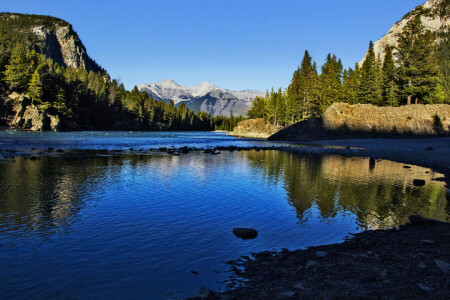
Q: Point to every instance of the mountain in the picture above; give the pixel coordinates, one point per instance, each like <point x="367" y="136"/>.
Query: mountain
<point x="435" y="16"/>
<point x="53" y="37"/>
<point x="204" y="96"/>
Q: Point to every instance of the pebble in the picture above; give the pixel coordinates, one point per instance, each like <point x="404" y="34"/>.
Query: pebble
<point x="425" y="288"/>
<point x="428" y="242"/>
<point x="288" y="293"/>
<point x="321" y="254"/>
<point x="421" y="265"/>
<point x="311" y="263"/>
<point x="299" y="286"/>
<point x="445" y="266"/>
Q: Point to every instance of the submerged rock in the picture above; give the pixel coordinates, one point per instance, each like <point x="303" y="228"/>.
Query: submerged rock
<point x="245" y="233"/>
<point x="418" y="182"/>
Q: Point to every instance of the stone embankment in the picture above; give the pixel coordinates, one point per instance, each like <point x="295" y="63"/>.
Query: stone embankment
<point x="342" y="120"/>
<point x="255" y="128"/>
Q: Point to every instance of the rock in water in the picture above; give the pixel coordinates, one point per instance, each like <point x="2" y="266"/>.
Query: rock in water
<point x="419" y="182"/>
<point x="245" y="233"/>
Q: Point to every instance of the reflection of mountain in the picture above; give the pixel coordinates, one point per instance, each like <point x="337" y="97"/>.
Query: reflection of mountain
<point x="378" y="193"/>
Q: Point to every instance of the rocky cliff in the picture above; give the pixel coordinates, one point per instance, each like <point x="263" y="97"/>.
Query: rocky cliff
<point x="255" y="128"/>
<point x="435" y="16"/>
<point x="47" y="35"/>
<point x="342" y="120"/>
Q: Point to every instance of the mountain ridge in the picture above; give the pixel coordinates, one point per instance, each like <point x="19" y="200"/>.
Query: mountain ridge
<point x="204" y="96"/>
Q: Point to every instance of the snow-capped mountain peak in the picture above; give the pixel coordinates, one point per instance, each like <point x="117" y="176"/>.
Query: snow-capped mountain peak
<point x="220" y="101"/>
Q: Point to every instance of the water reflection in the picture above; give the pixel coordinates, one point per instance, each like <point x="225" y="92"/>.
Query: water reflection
<point x="145" y="221"/>
<point x="48" y="194"/>
<point x="379" y="193"/>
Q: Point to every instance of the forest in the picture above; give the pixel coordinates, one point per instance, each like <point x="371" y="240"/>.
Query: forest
<point x="88" y="97"/>
<point x="416" y="71"/>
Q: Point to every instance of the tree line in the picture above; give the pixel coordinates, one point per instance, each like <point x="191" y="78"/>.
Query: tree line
<point x="416" y="71"/>
<point x="90" y="98"/>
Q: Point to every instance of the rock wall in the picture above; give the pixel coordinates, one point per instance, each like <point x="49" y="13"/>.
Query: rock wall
<point x="63" y="45"/>
<point x="342" y="120"/>
<point x="255" y="128"/>
<point x="28" y="116"/>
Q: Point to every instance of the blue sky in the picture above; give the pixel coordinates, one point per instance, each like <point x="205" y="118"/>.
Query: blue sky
<point x="233" y="44"/>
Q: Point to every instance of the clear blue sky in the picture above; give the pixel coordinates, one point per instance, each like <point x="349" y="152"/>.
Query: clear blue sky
<point x="233" y="44"/>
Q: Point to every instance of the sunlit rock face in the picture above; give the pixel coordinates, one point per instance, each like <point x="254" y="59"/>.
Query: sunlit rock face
<point x="434" y="15"/>
<point x="51" y="36"/>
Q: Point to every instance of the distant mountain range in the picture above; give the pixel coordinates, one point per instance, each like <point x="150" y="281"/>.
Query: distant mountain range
<point x="204" y="96"/>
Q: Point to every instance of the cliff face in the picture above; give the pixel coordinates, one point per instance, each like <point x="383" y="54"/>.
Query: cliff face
<point x="365" y="120"/>
<point x="50" y="36"/>
<point x="435" y="16"/>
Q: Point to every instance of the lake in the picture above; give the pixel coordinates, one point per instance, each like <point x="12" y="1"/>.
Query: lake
<point x="135" y="225"/>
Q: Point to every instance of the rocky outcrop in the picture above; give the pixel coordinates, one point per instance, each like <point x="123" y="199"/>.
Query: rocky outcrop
<point x="434" y="14"/>
<point x="29" y="116"/>
<point x="255" y="128"/>
<point x="342" y="120"/>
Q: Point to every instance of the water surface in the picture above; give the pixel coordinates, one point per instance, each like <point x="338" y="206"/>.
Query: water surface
<point x="134" y="226"/>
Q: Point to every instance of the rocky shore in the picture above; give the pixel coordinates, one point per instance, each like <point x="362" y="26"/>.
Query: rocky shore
<point x="409" y="262"/>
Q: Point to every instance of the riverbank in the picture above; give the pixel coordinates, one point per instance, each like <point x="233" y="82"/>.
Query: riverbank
<point x="410" y="262"/>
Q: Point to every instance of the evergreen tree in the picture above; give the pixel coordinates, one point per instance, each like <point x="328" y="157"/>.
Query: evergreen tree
<point x="35" y="91"/>
<point x="257" y="109"/>
<point x="390" y="88"/>
<point x="18" y="73"/>
<point x="369" y="87"/>
<point x="418" y="71"/>
<point x="330" y="83"/>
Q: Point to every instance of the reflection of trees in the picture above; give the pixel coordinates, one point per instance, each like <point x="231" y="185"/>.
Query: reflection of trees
<point x="47" y="194"/>
<point x="378" y="193"/>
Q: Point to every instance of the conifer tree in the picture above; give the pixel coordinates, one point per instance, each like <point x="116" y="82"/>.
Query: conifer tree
<point x="18" y="73"/>
<point x="330" y="82"/>
<point x="390" y="88"/>
<point x="35" y="91"/>
<point x="369" y="87"/>
<point x="418" y="71"/>
<point x="293" y="101"/>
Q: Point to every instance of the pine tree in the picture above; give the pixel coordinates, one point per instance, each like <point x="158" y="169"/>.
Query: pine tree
<point x="418" y="71"/>
<point x="258" y="108"/>
<point x="293" y="101"/>
<point x="305" y="92"/>
<point x="35" y="91"/>
<point x="369" y="87"/>
<point x="390" y="88"/>
<point x="330" y="82"/>
<point x="17" y="72"/>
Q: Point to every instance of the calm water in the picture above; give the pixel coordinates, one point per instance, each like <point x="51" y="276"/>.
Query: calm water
<point x="135" y="226"/>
